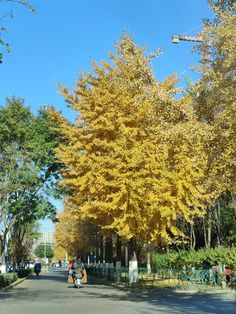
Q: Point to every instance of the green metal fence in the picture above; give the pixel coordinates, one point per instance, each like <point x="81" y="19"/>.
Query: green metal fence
<point x="167" y="277"/>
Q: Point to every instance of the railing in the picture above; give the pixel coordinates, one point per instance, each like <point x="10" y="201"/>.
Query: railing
<point x="163" y="277"/>
<point x="110" y="273"/>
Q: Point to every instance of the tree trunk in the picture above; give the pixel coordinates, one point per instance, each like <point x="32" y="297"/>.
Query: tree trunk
<point x="102" y="258"/>
<point x="118" y="259"/>
<point x="98" y="249"/>
<point x="149" y="269"/>
<point x="118" y="248"/>
<point x="4" y="253"/>
<point x="126" y="255"/>
<point x="204" y="230"/>
<point x="183" y="229"/>
<point x="108" y="250"/>
<point x="192" y="237"/>
<point x="209" y="232"/>
<point x="217" y="219"/>
<point x="132" y="250"/>
<point x="133" y="262"/>
<point x="207" y="228"/>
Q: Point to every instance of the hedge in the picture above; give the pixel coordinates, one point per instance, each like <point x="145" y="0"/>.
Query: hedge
<point x="177" y="260"/>
<point x="7" y="278"/>
<point x="23" y="273"/>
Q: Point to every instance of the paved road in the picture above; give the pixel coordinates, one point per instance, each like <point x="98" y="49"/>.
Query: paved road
<point x="50" y="294"/>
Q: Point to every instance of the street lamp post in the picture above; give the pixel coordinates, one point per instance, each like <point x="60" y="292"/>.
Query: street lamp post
<point x="177" y="38"/>
<point x="205" y="56"/>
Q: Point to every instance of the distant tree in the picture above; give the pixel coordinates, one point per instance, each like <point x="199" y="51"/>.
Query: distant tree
<point x="59" y="253"/>
<point x="72" y="233"/>
<point x="21" y="243"/>
<point x="44" y="250"/>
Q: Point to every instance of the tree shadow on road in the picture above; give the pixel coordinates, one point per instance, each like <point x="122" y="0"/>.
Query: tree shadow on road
<point x="169" y="300"/>
<point x="62" y="276"/>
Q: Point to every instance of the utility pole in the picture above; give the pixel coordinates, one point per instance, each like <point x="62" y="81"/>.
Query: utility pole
<point x="45" y="254"/>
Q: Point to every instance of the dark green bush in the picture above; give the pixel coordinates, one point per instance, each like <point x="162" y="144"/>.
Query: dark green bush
<point x="7" y="279"/>
<point x="23" y="273"/>
<point x="224" y="256"/>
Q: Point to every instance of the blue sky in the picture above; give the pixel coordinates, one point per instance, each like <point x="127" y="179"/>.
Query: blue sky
<point x="62" y="39"/>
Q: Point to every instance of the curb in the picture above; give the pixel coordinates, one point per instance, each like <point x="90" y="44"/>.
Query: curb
<point x="12" y="285"/>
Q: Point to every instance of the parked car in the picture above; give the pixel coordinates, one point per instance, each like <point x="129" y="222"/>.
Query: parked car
<point x="30" y="265"/>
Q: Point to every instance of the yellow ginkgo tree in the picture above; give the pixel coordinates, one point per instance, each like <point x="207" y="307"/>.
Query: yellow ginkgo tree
<point x="134" y="159"/>
<point x="74" y="235"/>
<point x="215" y="107"/>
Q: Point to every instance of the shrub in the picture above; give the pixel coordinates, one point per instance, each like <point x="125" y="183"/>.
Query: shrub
<point x="164" y="261"/>
<point x="223" y="255"/>
<point x="7" y="279"/>
<point x="23" y="273"/>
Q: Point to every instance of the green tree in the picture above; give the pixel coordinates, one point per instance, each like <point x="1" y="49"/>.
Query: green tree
<point x="44" y="250"/>
<point x="28" y="170"/>
<point x="21" y="243"/>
